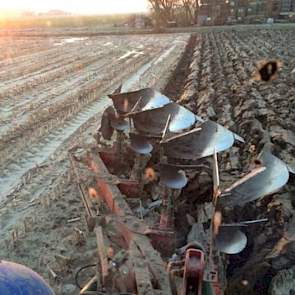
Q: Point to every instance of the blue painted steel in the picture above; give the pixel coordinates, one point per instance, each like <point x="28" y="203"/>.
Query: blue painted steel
<point x="16" y="279"/>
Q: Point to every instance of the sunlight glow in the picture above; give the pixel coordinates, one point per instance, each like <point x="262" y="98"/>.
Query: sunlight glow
<point x="75" y="6"/>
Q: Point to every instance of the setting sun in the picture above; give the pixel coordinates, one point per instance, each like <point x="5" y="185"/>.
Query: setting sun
<point x="75" y="6"/>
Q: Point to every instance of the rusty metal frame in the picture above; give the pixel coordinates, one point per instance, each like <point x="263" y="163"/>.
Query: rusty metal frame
<point x="148" y="264"/>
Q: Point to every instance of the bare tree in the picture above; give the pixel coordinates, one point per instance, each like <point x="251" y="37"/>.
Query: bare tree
<point x="187" y="5"/>
<point x="191" y="8"/>
<point x="157" y="11"/>
<point x="186" y="11"/>
<point x="163" y="10"/>
<point x="196" y="10"/>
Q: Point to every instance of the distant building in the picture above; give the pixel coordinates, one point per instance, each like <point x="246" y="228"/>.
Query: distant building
<point x="260" y="10"/>
<point x="205" y="13"/>
<point x="139" y="21"/>
<point x="287" y="6"/>
<point x="256" y="7"/>
<point x="218" y="12"/>
<point x="277" y="8"/>
<point x="213" y="12"/>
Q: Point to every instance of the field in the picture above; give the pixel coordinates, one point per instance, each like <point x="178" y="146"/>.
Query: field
<point x="53" y="91"/>
<point x="48" y="94"/>
<point x="70" y="25"/>
<point x="62" y="22"/>
<point x="220" y="85"/>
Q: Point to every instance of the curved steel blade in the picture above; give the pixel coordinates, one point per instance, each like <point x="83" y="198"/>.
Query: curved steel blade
<point x="291" y="168"/>
<point x="111" y="120"/>
<point x="245" y="223"/>
<point x="269" y="180"/>
<point x="140" y="144"/>
<point x="140" y="100"/>
<point x="230" y="240"/>
<point x="106" y="128"/>
<point x="118" y="89"/>
<point x="239" y="138"/>
<point x="154" y="121"/>
<point x="119" y="123"/>
<point x="172" y="176"/>
<point x="200" y="142"/>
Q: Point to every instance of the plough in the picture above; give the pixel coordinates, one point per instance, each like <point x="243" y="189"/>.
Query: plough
<point x="147" y="162"/>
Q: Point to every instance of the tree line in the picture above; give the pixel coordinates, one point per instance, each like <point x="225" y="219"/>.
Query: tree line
<point x="187" y="12"/>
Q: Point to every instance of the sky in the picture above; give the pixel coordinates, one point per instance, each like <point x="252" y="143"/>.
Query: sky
<point x="76" y="6"/>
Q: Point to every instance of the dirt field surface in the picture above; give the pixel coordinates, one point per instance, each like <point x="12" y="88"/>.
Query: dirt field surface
<point x="219" y="85"/>
<point x="52" y="93"/>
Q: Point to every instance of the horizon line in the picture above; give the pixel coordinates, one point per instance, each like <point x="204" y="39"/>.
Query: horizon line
<point x="19" y="13"/>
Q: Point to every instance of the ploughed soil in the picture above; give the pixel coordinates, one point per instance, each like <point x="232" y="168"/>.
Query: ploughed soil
<point x="222" y="85"/>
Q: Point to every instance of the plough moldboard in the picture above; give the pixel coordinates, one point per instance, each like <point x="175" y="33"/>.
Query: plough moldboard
<point x="131" y="183"/>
